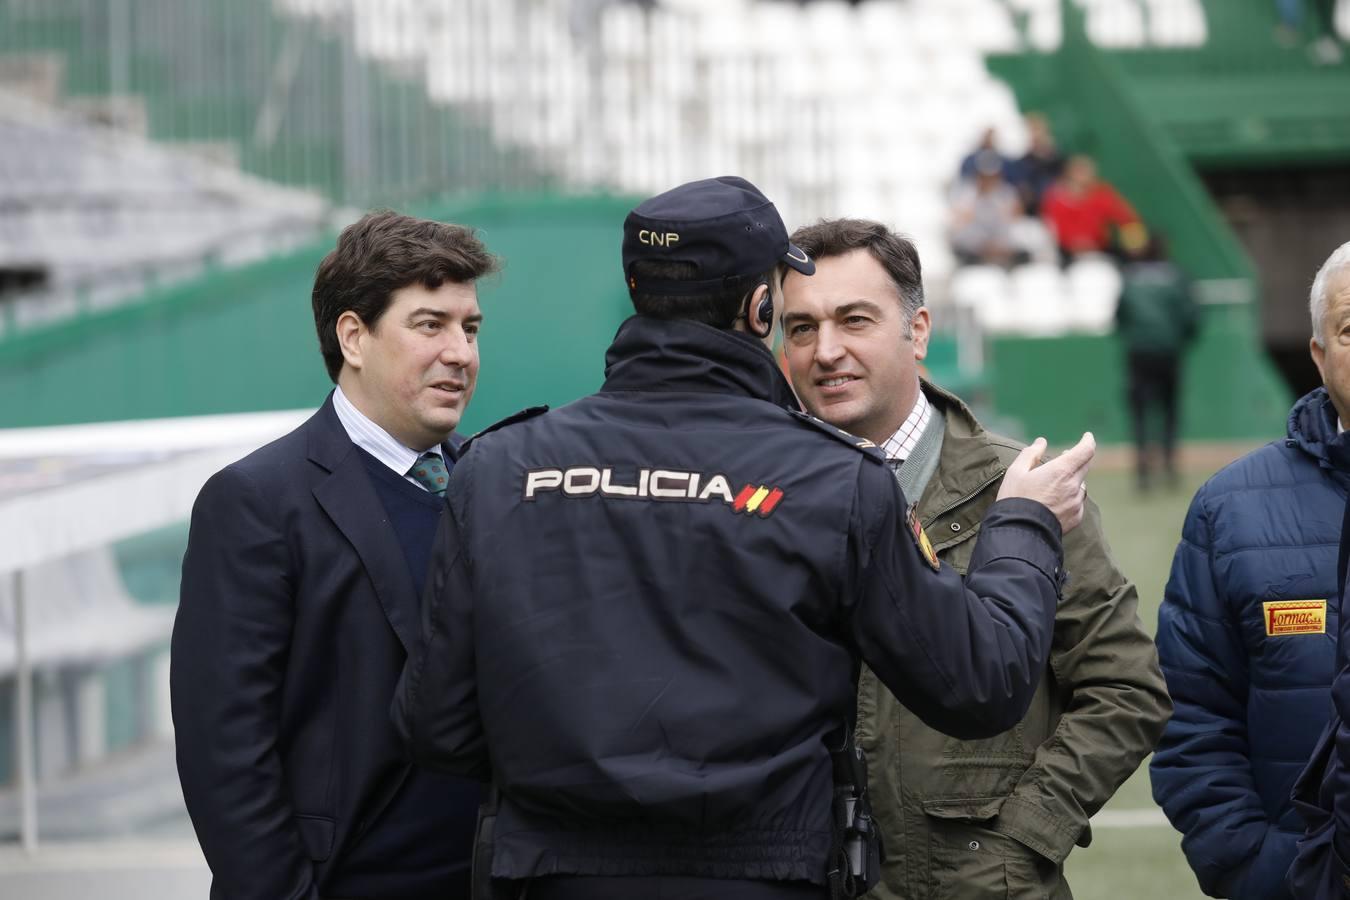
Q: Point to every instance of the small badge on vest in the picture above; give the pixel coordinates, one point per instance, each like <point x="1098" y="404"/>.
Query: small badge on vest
<point x="1295" y="617"/>
<point x="921" y="539"/>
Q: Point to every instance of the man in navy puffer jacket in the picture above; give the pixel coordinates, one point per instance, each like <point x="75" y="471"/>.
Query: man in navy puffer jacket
<point x="1247" y="634"/>
<point x="1246" y="637"/>
<point x="1320" y="870"/>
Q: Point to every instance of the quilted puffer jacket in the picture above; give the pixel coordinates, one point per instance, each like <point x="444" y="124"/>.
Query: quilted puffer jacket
<point x="1246" y="637"/>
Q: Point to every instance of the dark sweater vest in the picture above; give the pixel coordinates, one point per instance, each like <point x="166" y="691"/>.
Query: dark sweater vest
<point x="421" y="846"/>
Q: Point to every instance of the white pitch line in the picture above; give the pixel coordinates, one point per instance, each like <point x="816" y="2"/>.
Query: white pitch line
<point x="1130" y="818"/>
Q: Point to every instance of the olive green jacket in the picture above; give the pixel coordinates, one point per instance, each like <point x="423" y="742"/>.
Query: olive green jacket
<point x="997" y="817"/>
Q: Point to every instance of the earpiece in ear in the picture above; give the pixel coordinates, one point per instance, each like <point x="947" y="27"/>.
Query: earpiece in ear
<point x="765" y="312"/>
<point x="761" y="323"/>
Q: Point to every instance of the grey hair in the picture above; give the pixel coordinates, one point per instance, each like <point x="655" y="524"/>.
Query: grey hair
<point x="1338" y="261"/>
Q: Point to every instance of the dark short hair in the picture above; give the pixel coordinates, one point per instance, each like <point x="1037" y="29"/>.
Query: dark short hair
<point x="896" y="254"/>
<point x="718" y="308"/>
<point x="381" y="253"/>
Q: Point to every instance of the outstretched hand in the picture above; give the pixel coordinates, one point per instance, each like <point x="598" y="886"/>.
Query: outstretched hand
<point x="1059" y="484"/>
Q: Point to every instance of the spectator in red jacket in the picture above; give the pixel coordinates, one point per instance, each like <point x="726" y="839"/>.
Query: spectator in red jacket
<point x="1082" y="211"/>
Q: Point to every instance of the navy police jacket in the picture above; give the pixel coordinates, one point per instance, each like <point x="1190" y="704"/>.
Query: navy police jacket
<point x="646" y="611"/>
<point x="1246" y="637"/>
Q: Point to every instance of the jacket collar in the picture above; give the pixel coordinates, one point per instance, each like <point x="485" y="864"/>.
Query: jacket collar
<point x="1312" y="428"/>
<point x="328" y="442"/>
<point x="671" y="355"/>
<point x="449" y="447"/>
<point x="968" y="460"/>
<point x="349" y="499"/>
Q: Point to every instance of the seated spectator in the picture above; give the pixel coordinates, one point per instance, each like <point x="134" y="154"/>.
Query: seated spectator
<point x="984" y="212"/>
<point x="1082" y="211"/>
<point x="1324" y="48"/>
<point x="1040" y="167"/>
<point x="987" y="145"/>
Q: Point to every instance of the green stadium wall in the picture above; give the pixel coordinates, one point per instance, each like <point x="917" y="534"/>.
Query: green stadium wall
<point x="1061" y="387"/>
<point x="243" y="340"/>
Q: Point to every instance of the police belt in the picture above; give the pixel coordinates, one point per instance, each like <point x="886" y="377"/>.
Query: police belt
<point x="856" y="850"/>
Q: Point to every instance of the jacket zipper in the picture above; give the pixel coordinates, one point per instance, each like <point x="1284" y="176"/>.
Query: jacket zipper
<point x="963" y="500"/>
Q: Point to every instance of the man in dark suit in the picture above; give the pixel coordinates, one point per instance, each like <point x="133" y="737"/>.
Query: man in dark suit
<point x="300" y="595"/>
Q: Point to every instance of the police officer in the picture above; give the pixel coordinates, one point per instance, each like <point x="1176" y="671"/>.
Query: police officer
<point x="647" y="608"/>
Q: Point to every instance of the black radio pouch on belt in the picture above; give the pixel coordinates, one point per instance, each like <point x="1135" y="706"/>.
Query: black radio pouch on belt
<point x="856" y="852"/>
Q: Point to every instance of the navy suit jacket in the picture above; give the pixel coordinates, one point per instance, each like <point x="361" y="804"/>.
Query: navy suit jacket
<point x="296" y="613"/>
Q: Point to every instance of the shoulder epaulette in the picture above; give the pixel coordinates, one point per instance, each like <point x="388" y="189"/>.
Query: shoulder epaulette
<point x="862" y="445"/>
<point x="527" y="413"/>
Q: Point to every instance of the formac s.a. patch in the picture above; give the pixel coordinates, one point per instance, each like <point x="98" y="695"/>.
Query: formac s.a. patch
<point x="1295" y="617"/>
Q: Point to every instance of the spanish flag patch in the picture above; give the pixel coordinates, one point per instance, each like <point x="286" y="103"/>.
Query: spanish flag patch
<point x="921" y="539"/>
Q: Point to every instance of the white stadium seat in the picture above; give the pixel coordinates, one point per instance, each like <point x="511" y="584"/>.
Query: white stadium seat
<point x="990" y="29"/>
<point x="1115" y="23"/>
<point x="986" y="293"/>
<point x="1038" y="300"/>
<point x="1094" y="289"/>
<point x="1176" y="23"/>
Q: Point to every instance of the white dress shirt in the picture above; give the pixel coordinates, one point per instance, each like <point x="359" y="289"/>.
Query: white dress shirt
<point x="376" y="441"/>
<point x="900" y="445"/>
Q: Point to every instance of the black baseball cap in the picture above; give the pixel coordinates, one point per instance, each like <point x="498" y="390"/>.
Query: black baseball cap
<point x="724" y="226"/>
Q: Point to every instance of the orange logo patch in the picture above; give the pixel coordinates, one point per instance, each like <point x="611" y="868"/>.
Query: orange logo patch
<point x="1295" y="617"/>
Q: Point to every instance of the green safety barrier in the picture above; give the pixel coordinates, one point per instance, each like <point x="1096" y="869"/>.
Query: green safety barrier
<point x="1061" y="387"/>
<point x="243" y="340"/>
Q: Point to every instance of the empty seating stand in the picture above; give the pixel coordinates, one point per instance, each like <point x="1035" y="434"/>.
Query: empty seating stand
<point x="833" y="108"/>
<point x="1040" y="300"/>
<point x="107" y="215"/>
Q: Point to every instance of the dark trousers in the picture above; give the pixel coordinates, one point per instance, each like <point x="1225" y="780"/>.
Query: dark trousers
<point x="1326" y="16"/>
<point x="668" y="888"/>
<point x="1153" y="382"/>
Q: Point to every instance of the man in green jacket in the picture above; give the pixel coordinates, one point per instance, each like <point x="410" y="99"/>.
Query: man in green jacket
<point x="996" y="817"/>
